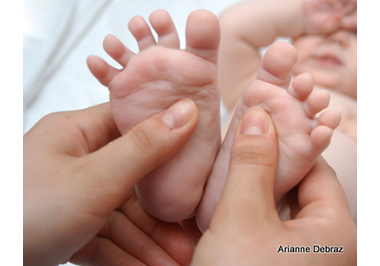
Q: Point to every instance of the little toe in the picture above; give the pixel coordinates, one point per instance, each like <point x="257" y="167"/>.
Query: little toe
<point x="277" y="64"/>
<point x="101" y="69"/>
<point x="330" y="118"/>
<point x="203" y="35"/>
<point x="165" y="28"/>
<point x="302" y="86"/>
<point x="317" y="101"/>
<point x="142" y="33"/>
<point x="116" y="49"/>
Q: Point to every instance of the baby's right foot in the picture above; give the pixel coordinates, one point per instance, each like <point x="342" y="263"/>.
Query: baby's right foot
<point x="301" y="137"/>
<point x="157" y="77"/>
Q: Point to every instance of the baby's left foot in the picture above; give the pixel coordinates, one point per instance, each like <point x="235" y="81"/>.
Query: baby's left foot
<point x="301" y="136"/>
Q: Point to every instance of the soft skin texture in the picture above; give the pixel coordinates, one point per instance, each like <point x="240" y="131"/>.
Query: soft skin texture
<point x="323" y="33"/>
<point x="292" y="104"/>
<point x="152" y="80"/>
<point x="79" y="175"/>
<point x="253" y="24"/>
<point x="246" y="229"/>
<point x="324" y="36"/>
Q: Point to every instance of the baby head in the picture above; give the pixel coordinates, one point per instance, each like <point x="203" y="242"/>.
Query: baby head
<point x="330" y="59"/>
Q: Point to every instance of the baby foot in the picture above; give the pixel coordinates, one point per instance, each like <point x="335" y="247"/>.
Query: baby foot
<point x="301" y="136"/>
<point x="150" y="82"/>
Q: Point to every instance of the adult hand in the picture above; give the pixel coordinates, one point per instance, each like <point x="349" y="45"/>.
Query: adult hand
<point x="327" y="16"/>
<point x="79" y="175"/>
<point x="246" y="230"/>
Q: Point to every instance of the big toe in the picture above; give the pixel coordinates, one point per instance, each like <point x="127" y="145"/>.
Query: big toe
<point x="277" y="64"/>
<point x="203" y="34"/>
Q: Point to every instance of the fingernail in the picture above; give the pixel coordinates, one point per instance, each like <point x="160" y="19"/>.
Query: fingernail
<point x="254" y="122"/>
<point x="179" y="114"/>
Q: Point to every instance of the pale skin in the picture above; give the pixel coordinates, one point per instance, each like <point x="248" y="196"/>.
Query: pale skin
<point x="79" y="201"/>
<point x="253" y="24"/>
<point x="292" y="105"/>
<point x="324" y="34"/>
<point x="154" y="79"/>
<point x="246" y="229"/>
<point x="158" y="70"/>
<point x="67" y="141"/>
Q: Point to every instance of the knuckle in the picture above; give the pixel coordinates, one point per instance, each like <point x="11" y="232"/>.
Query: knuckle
<point x="142" y="139"/>
<point x="51" y="118"/>
<point x="58" y="118"/>
<point x="256" y="156"/>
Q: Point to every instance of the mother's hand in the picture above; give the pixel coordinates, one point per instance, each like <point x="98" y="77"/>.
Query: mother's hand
<point x="79" y="175"/>
<point x="246" y="229"/>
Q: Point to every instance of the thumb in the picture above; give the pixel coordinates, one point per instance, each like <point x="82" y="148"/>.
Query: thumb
<point x="248" y="195"/>
<point x="112" y="171"/>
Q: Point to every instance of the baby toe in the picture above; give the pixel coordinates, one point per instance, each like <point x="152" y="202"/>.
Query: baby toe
<point x="142" y="33"/>
<point x="320" y="138"/>
<point x="302" y="86"/>
<point x="330" y="118"/>
<point x="101" y="69"/>
<point x="203" y="35"/>
<point x="116" y="49"/>
<point x="165" y="29"/>
<point x="277" y="64"/>
<point x="317" y="101"/>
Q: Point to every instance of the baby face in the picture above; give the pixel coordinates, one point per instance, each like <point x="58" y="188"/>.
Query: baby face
<point x="330" y="59"/>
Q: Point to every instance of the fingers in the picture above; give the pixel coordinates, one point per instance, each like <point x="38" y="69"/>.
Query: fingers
<point x="102" y="251"/>
<point x="349" y="13"/>
<point x="133" y="235"/>
<point x="169" y="236"/>
<point x="89" y="130"/>
<point x="248" y="196"/>
<point x="97" y="126"/>
<point x="190" y="226"/>
<point x="130" y="238"/>
<point x="321" y="195"/>
<point x="350" y="22"/>
<point x="116" y="167"/>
